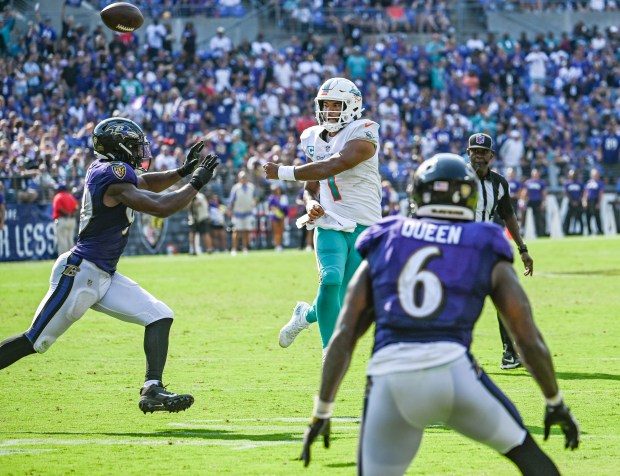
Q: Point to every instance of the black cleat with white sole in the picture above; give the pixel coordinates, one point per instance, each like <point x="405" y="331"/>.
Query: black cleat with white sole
<point x="155" y="398"/>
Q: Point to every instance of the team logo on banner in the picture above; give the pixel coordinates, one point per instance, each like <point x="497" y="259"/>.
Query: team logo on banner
<point x="119" y="170"/>
<point x="152" y="231"/>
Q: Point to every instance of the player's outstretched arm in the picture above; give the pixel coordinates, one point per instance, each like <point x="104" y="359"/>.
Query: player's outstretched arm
<point x="162" y="204"/>
<point x="514" y="307"/>
<point x="354" y="320"/>
<point x="160" y="181"/>
<point x="515" y="311"/>
<point x="353" y="153"/>
<point x="513" y="227"/>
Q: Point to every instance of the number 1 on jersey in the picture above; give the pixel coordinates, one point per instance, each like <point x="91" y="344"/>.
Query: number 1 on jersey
<point x="333" y="188"/>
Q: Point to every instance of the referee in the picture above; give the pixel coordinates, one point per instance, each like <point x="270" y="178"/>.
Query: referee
<point x="494" y="198"/>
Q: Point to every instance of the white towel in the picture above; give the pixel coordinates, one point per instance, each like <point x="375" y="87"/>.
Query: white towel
<point x="329" y="221"/>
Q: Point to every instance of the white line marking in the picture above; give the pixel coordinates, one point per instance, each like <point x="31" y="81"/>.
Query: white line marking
<point x="255" y="428"/>
<point x="272" y="420"/>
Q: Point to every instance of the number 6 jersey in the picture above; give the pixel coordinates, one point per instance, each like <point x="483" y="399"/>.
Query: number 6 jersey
<point x="430" y="277"/>
<point x="104" y="230"/>
<point x="355" y="193"/>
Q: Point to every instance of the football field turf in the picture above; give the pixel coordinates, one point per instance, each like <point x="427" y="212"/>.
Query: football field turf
<point x="74" y="409"/>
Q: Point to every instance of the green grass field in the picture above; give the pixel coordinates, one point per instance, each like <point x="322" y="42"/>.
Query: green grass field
<point x="74" y="409"/>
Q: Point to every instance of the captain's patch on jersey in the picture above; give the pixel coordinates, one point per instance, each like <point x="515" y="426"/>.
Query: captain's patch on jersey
<point x="119" y="170"/>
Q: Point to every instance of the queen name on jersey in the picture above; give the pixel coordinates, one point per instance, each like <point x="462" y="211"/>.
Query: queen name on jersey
<point x="354" y="193"/>
<point x="104" y="230"/>
<point x="419" y="295"/>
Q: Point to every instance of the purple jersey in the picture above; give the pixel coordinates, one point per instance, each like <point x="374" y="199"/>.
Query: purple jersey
<point x="104" y="230"/>
<point x="593" y="189"/>
<point x="514" y="186"/>
<point x="574" y="190"/>
<point x="535" y="188"/>
<point x="430" y="277"/>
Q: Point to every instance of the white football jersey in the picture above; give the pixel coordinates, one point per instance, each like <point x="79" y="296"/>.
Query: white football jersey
<point x="355" y="193"/>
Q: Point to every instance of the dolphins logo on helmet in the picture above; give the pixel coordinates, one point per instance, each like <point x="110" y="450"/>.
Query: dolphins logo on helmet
<point x="345" y="91"/>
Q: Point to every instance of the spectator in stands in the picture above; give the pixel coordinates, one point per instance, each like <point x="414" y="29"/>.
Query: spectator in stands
<point x="610" y="149"/>
<point x="155" y="35"/>
<point x="165" y="160"/>
<point x="241" y="209"/>
<point x="64" y="212"/>
<point x="356" y="65"/>
<point x="220" y="44"/>
<point x="390" y="203"/>
<point x="535" y="196"/>
<point x="592" y="198"/>
<point x="188" y="41"/>
<point x="512" y="151"/>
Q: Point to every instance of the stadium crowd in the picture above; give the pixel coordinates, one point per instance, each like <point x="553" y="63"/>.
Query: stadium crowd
<point x="179" y="8"/>
<point x="357" y="18"/>
<point x="551" y="103"/>
<point x="550" y="5"/>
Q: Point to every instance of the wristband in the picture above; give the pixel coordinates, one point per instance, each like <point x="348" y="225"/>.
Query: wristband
<point x="555" y="401"/>
<point x="522" y="249"/>
<point x="286" y="172"/>
<point x="322" y="410"/>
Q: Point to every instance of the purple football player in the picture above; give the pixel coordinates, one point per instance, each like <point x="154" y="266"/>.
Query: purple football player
<point x="85" y="276"/>
<point x="423" y="283"/>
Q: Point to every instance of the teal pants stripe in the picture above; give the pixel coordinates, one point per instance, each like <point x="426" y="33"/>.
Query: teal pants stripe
<point x="337" y="261"/>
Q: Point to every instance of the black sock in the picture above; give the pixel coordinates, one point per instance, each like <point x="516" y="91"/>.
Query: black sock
<point x="506" y="340"/>
<point x="531" y="460"/>
<point x="156" y="348"/>
<point x="13" y="349"/>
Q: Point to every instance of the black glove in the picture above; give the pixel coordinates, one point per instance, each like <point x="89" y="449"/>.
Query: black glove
<point x="319" y="426"/>
<point x="192" y="160"/>
<point x="561" y="415"/>
<point x="204" y="172"/>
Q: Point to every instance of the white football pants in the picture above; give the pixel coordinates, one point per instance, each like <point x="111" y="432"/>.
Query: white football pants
<point x="77" y="285"/>
<point x="458" y="395"/>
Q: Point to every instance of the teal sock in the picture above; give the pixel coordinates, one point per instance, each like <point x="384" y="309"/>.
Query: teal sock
<point x="327" y="310"/>
<point x="311" y="315"/>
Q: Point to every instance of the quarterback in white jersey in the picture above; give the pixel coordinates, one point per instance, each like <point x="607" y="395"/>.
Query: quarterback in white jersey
<point x="342" y="196"/>
<point x="354" y="194"/>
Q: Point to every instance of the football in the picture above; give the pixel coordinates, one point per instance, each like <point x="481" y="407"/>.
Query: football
<point x="122" y="17"/>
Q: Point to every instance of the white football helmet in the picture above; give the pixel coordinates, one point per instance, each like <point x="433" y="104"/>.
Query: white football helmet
<point x="345" y="91"/>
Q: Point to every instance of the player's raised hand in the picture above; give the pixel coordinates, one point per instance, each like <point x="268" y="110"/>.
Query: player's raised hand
<point x="561" y="415"/>
<point x="191" y="160"/>
<point x="316" y="428"/>
<point x="271" y="170"/>
<point x="528" y="262"/>
<point x="204" y="172"/>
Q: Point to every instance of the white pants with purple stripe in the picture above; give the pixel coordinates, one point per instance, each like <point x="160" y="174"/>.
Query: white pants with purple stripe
<point x="457" y="395"/>
<point x="77" y="285"/>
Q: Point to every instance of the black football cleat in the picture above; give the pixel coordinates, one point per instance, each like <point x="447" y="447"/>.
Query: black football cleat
<point x="155" y="398"/>
<point x="510" y="360"/>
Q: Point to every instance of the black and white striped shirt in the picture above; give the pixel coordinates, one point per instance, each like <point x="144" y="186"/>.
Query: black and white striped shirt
<point x="493" y="198"/>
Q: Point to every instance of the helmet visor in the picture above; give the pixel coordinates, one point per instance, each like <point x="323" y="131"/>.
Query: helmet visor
<point x="144" y="156"/>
